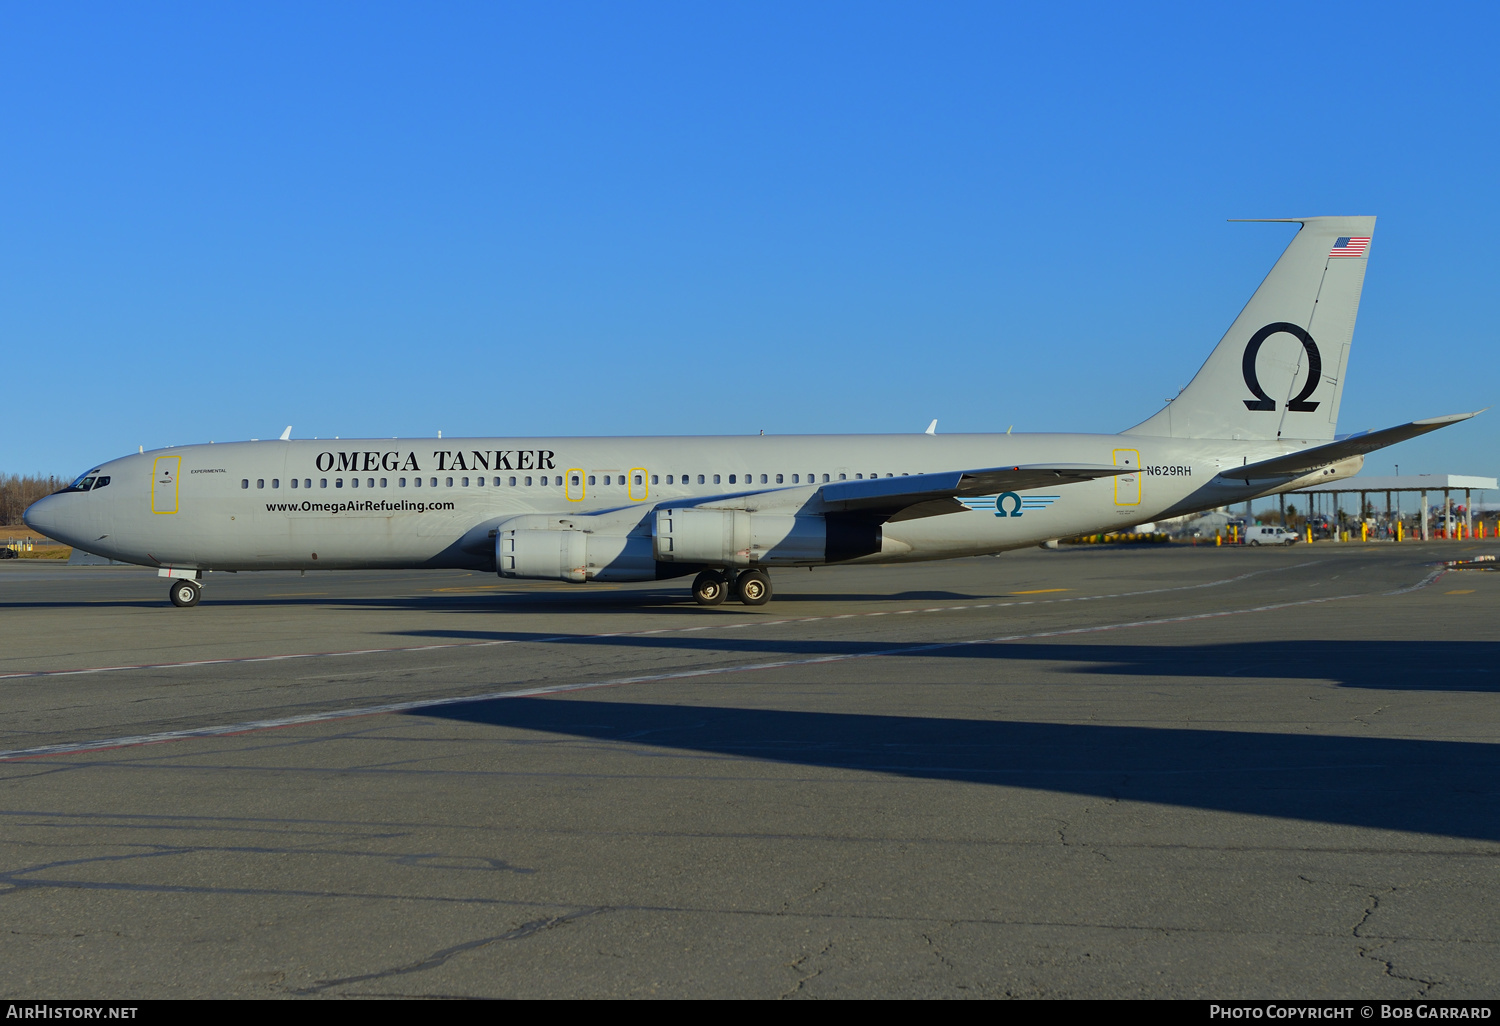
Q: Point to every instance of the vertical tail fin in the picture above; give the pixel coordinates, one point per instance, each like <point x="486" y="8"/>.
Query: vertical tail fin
<point x="1279" y="370"/>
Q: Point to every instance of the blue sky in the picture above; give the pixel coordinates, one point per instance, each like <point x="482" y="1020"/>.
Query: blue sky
<point x="374" y="219"/>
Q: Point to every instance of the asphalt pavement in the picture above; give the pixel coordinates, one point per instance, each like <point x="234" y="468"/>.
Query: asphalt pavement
<point x="1140" y="771"/>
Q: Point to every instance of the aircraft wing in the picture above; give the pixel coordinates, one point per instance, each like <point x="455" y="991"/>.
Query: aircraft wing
<point x="926" y="495"/>
<point x="1319" y="456"/>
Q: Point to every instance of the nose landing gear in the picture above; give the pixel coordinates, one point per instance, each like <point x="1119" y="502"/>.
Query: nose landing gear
<point x="185" y="594"/>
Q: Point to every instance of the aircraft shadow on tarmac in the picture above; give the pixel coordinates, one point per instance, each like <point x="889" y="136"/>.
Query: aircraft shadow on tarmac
<point x="583" y="600"/>
<point x="1434" y="787"/>
<point x="1381" y="665"/>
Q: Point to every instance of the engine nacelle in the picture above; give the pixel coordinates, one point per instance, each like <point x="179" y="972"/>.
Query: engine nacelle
<point x="728" y="537"/>
<point x="551" y="549"/>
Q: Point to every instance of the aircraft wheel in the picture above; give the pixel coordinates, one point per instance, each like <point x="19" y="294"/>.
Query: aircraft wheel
<point x="185" y="594"/>
<point x="710" y="588"/>
<point x="753" y="588"/>
<point x="1256" y="544"/>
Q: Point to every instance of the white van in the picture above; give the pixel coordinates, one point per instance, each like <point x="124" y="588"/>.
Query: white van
<point x="1259" y="535"/>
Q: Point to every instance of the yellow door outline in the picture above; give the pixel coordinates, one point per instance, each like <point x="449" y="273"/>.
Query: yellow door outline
<point x="1128" y="486"/>
<point x="164" y="499"/>
<point x="644" y="486"/>
<point x="575" y="480"/>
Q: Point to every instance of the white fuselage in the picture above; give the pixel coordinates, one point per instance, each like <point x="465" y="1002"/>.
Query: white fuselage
<point x="408" y="503"/>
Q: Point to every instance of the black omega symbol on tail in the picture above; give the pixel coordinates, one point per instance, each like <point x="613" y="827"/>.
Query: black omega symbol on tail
<point x="1314" y="369"/>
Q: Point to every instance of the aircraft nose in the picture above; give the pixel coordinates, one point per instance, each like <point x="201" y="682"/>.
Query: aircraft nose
<point x="44" y="517"/>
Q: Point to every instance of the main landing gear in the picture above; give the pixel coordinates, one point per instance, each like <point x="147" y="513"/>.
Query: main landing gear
<point x="185" y="594"/>
<point x="712" y="587"/>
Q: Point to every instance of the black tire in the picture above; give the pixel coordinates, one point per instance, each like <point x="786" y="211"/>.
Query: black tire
<point x="753" y="587"/>
<point x="1256" y="544"/>
<point x="710" y="588"/>
<point x="185" y="594"/>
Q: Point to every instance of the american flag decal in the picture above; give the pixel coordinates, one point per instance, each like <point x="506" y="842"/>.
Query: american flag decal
<point x="1350" y="247"/>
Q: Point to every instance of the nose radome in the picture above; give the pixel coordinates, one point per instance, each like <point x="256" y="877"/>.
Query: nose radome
<point x="42" y="517"/>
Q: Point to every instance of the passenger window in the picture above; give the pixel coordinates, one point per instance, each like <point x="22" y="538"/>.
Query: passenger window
<point x="338" y="482"/>
<point x="384" y="483"/>
<point x="700" y="479"/>
<point x="466" y="482"/>
<point x="400" y="482"/>
<point x="322" y="482"/>
<point x="731" y="479"/>
<point x="575" y="480"/>
<point x="497" y="482"/>
<point x="639" y="478"/>
<point x="763" y="479"/>
<point x="450" y="482"/>
<point x="716" y="479"/>
<point x="432" y="481"/>
<point x="796" y="478"/>
<point x="512" y="482"/>
<point x="669" y="479"/>
<point x="528" y="482"/>
<point x="275" y="482"/>
<point x="591" y="479"/>
<point x="416" y="482"/>
<point x="245" y="482"/>
<point x="294" y="482"/>
<point x="857" y="477"/>
<point x="778" y="479"/>
<point x="479" y="482"/>
<point x="260" y="482"/>
<point x="307" y="483"/>
<point x="354" y="482"/>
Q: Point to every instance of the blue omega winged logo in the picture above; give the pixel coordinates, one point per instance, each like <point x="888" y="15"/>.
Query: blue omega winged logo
<point x="1009" y="504"/>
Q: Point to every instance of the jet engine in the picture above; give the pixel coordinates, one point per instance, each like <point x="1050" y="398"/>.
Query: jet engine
<point x="554" y="549"/>
<point x="724" y="537"/>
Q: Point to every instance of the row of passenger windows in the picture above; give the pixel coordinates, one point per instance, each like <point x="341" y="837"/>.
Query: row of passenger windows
<point x="554" y="480"/>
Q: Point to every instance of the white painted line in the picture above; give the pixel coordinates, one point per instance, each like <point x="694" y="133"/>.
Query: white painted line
<point x="558" y="689"/>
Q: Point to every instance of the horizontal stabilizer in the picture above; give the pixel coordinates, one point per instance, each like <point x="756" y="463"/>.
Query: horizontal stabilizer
<point x="1320" y="456"/>
<point x="919" y="495"/>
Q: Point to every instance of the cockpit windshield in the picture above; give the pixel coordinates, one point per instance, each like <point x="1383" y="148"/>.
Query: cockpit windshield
<point x="93" y="479"/>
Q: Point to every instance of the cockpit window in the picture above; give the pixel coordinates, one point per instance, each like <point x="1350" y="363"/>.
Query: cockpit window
<point x="87" y="481"/>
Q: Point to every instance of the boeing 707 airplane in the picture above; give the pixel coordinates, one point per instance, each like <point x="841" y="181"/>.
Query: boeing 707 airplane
<point x="1257" y="419"/>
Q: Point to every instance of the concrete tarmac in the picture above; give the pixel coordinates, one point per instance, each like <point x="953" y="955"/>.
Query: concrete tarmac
<point x="1133" y="772"/>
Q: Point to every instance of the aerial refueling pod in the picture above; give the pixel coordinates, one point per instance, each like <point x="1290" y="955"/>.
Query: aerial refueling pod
<point x="729" y="537"/>
<point x="555" y="549"/>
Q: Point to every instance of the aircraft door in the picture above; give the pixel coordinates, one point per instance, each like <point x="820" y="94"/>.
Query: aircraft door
<point x="638" y="489"/>
<point x="1128" y="486"/>
<point x="164" y="484"/>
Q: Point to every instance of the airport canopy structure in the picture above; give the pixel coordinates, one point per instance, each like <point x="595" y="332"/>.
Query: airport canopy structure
<point x="1411" y="483"/>
<point x="1422" y="484"/>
